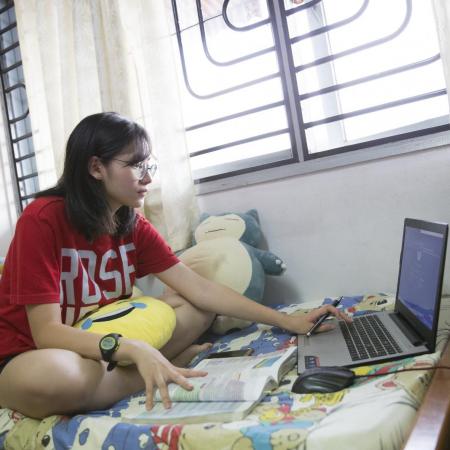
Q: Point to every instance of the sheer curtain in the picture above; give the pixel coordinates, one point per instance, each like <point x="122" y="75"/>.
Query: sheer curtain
<point x="85" y="56"/>
<point x="442" y="15"/>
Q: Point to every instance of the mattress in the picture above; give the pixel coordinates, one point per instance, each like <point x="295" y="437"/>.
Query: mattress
<point x="374" y="413"/>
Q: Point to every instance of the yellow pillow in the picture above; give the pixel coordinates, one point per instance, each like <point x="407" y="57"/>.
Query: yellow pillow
<point x="143" y="318"/>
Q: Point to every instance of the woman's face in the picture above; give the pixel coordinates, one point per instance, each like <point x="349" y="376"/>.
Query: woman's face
<point x="126" y="185"/>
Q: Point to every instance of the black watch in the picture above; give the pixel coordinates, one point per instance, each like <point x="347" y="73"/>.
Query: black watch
<point x="108" y="345"/>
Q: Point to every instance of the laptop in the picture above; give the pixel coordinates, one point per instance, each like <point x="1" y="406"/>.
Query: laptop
<point x="409" y="330"/>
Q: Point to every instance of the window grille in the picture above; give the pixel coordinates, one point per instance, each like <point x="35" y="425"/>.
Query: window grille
<point x="269" y="83"/>
<point x="17" y="116"/>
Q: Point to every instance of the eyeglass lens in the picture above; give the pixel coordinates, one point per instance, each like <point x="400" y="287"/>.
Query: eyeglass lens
<point x="147" y="167"/>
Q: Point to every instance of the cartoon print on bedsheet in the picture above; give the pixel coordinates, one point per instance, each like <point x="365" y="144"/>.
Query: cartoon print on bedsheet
<point x="86" y="432"/>
<point x="102" y="426"/>
<point x="414" y="383"/>
<point x="274" y="422"/>
<point x="265" y="339"/>
<point x="8" y="419"/>
<point x="262" y="338"/>
<point x="27" y="431"/>
<point x="282" y="421"/>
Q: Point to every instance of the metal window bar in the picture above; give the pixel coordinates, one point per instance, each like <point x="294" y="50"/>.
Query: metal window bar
<point x="339" y="86"/>
<point x="358" y="48"/>
<point x="312" y="3"/>
<point x="361" y="80"/>
<point x="261" y="22"/>
<point x="178" y="32"/>
<point x="14" y="98"/>
<point x="235" y="115"/>
<point x="292" y="70"/>
<point x="327" y="28"/>
<point x="241" y="141"/>
<point x="205" y="43"/>
<point x="218" y="93"/>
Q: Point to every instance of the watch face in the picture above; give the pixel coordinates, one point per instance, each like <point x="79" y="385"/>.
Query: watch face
<point x="108" y="343"/>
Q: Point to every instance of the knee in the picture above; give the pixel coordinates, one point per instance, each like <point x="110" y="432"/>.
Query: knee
<point x="68" y="392"/>
<point x="186" y="310"/>
<point x="63" y="396"/>
<point x="205" y="318"/>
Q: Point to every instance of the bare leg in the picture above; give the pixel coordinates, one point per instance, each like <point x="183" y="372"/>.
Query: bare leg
<point x="186" y="356"/>
<point x="191" y="323"/>
<point x="43" y="382"/>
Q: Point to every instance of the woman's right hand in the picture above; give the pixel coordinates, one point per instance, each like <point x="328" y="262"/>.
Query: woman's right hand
<point x="157" y="372"/>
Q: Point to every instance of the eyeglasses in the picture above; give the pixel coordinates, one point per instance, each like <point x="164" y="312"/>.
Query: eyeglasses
<point x="141" y="169"/>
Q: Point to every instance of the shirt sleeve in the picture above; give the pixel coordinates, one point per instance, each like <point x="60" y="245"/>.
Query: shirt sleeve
<point x="153" y="254"/>
<point x="32" y="263"/>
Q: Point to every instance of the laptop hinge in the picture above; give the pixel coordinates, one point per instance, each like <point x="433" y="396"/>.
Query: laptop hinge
<point x="412" y="336"/>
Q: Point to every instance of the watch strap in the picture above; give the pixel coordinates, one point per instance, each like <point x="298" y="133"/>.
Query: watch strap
<point x="107" y="353"/>
<point x="111" y="365"/>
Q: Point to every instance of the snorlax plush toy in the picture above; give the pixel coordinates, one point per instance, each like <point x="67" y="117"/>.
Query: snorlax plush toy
<point x="225" y="250"/>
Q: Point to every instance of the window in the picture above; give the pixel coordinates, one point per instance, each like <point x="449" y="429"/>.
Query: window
<point x="272" y="83"/>
<point x="15" y="105"/>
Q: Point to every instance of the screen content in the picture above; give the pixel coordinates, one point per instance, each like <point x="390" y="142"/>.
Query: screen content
<point x="420" y="268"/>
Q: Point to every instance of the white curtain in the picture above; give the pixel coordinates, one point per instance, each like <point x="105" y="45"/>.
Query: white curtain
<point x="442" y="15"/>
<point x="85" y="56"/>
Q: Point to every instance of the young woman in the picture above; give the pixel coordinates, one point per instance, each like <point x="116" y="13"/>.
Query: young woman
<point x="79" y="245"/>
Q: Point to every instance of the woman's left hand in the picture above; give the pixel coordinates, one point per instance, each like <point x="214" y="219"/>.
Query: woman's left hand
<point x="300" y="324"/>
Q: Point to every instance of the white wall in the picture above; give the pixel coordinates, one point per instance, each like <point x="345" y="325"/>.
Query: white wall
<point x="339" y="231"/>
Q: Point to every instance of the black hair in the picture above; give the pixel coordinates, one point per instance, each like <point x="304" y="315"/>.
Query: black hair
<point x="104" y="135"/>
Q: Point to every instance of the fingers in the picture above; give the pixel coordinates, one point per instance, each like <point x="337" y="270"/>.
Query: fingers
<point x="189" y="373"/>
<point x="338" y="313"/>
<point x="316" y="313"/>
<point x="164" y="391"/>
<point x="342" y="315"/>
<point x="331" y="310"/>
<point x="325" y="327"/>
<point x="163" y="378"/>
<point x="149" y="392"/>
<point x="182" y="381"/>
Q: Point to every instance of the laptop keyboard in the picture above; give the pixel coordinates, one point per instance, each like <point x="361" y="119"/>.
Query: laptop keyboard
<point x="367" y="337"/>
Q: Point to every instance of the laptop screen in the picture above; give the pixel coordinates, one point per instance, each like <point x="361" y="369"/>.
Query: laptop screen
<point x="419" y="280"/>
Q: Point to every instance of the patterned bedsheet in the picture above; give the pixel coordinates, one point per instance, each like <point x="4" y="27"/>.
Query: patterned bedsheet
<point x="375" y="413"/>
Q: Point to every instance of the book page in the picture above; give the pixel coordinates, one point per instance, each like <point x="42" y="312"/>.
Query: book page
<point x="267" y="365"/>
<point x="191" y="412"/>
<point x="242" y="378"/>
<point x="230" y="386"/>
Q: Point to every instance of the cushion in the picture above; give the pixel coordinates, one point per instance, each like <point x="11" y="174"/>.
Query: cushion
<point x="144" y="318"/>
<point x="226" y="251"/>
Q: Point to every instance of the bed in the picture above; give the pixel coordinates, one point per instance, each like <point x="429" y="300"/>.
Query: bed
<point x="375" y="413"/>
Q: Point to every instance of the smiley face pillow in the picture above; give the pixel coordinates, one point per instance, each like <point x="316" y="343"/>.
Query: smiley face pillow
<point x="144" y="318"/>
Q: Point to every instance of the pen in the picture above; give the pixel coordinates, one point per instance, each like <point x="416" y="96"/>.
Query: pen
<point x="322" y="318"/>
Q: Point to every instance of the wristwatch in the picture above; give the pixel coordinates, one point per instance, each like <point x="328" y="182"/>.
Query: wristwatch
<point x="108" y="345"/>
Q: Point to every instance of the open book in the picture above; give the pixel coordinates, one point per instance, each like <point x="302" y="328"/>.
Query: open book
<point x="229" y="392"/>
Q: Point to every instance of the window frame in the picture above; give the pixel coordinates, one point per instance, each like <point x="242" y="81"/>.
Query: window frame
<point x="14" y="123"/>
<point x="302" y="162"/>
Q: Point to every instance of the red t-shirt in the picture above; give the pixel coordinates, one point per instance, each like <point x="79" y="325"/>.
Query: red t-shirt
<point x="49" y="261"/>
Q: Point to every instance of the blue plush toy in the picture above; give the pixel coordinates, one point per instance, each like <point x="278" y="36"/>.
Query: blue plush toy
<point x="225" y="250"/>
